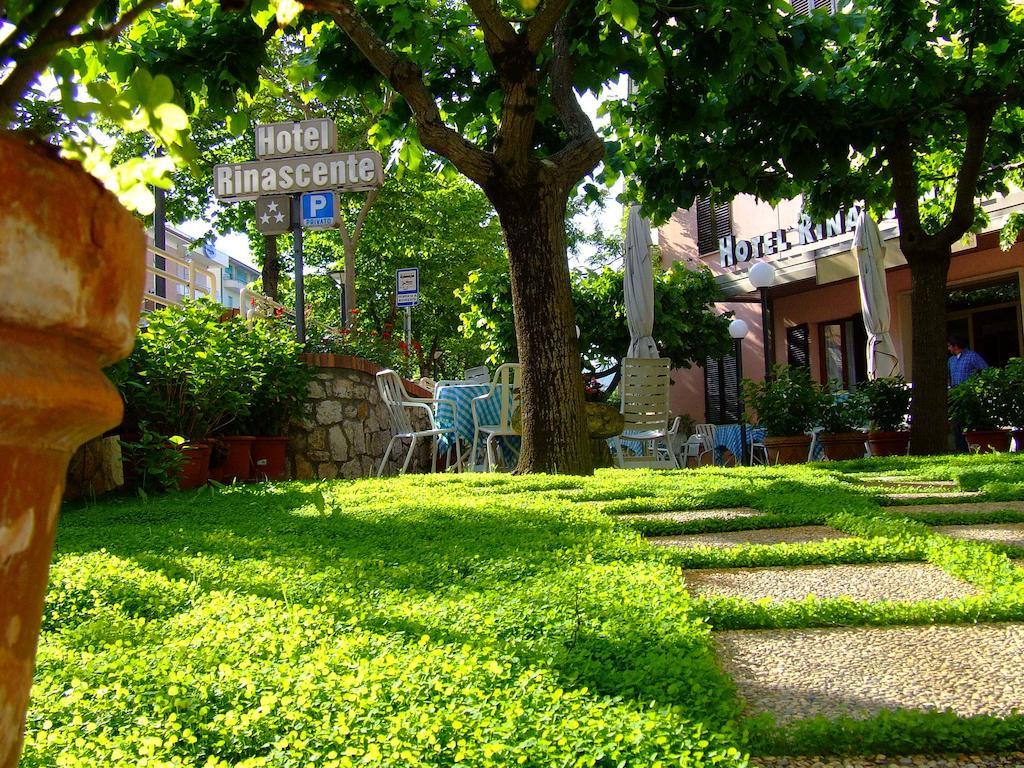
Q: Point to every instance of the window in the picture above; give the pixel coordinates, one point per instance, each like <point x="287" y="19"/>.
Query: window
<point x="806" y="6"/>
<point x="798" y="347"/>
<point x="844" y="352"/>
<point x="713" y="223"/>
<point x="721" y="405"/>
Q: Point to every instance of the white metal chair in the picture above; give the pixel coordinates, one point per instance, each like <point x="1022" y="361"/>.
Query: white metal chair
<point x="708" y="441"/>
<point x="645" y="408"/>
<point x="398" y="402"/>
<point x="478" y="375"/>
<point x="507" y="386"/>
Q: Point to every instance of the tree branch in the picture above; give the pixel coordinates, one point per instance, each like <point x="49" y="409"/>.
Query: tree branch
<point x="37" y="57"/>
<point x="117" y="27"/>
<point x="498" y="32"/>
<point x="979" y="121"/>
<point x="407" y="79"/>
<point x="903" y="175"/>
<point x="543" y="23"/>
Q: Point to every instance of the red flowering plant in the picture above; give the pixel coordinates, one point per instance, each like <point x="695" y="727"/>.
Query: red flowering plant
<point x="592" y="391"/>
<point x="362" y="339"/>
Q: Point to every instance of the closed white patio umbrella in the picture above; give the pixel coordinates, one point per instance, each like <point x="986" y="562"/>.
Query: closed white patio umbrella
<point x="639" y="286"/>
<point x="874" y="300"/>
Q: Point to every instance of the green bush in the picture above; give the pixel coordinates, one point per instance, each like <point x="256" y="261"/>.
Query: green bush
<point x="842" y="412"/>
<point x="280" y="379"/>
<point x="887" y="401"/>
<point x="788" y="403"/>
<point x="190" y="371"/>
<point x="978" y="403"/>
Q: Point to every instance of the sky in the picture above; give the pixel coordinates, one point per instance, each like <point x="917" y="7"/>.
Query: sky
<point x="237" y="245"/>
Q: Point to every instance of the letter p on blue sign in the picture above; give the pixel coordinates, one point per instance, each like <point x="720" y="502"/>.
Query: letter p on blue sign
<point x="320" y="210"/>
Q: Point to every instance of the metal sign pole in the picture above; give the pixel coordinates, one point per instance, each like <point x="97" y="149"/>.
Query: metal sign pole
<point x="300" y="288"/>
<point x="408" y="341"/>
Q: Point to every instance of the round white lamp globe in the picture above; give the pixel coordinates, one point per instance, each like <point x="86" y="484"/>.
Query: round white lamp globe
<point x="762" y="275"/>
<point x="738" y="329"/>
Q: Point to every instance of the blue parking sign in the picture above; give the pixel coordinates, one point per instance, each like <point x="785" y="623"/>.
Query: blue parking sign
<point x="320" y="210"/>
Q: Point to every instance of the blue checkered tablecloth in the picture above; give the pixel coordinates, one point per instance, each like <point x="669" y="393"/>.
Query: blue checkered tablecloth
<point x="462" y="396"/>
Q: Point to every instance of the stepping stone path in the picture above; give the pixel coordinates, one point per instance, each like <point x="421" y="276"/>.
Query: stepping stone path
<point x="971" y="507"/>
<point x="689" y="515"/>
<point x="1011" y="534"/>
<point x="858" y="672"/>
<point x="870" y="583"/>
<point x="935" y="495"/>
<point x="1004" y="760"/>
<point x="801" y="534"/>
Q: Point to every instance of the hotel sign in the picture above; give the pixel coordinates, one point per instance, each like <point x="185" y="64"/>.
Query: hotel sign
<point x="297" y="157"/>
<point x="733" y="252"/>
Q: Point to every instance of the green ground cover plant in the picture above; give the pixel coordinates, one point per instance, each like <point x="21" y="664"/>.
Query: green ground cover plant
<point x="475" y="621"/>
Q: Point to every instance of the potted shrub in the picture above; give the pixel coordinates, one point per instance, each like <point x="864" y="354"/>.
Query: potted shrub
<point x="978" y="407"/>
<point x="189" y="375"/>
<point x="280" y="387"/>
<point x="887" y="401"/>
<point x="1013" y="403"/>
<point x="842" y="417"/>
<point x="788" y="405"/>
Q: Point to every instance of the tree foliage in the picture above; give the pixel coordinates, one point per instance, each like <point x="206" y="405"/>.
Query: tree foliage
<point x="686" y="328"/>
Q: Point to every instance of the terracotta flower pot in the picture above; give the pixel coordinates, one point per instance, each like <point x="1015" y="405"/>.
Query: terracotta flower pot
<point x="72" y="263"/>
<point x="195" y="470"/>
<point x="888" y="443"/>
<point x="788" y="450"/>
<point x="238" y="463"/>
<point x="843" y="446"/>
<point x="988" y="441"/>
<point x="268" y="458"/>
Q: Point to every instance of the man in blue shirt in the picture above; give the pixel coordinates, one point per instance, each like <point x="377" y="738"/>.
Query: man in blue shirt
<point x="962" y="363"/>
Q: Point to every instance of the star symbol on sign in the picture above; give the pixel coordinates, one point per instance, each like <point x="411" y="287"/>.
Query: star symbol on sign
<point x="272" y="207"/>
<point x="265" y="218"/>
<point x="279" y="218"/>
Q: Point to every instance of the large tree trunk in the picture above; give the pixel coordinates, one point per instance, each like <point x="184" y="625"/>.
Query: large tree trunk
<point x="928" y="427"/>
<point x="553" y="423"/>
<point x="271" y="268"/>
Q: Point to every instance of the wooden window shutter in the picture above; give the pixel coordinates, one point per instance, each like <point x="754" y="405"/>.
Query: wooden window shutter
<point x="730" y="403"/>
<point x="798" y="345"/>
<point x="723" y="221"/>
<point x="712" y="391"/>
<point x="721" y="405"/>
<point x="802" y="6"/>
<point x="706" y="231"/>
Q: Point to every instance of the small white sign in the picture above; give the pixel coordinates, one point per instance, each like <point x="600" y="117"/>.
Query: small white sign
<point x="407" y="287"/>
<point x="310" y="137"/>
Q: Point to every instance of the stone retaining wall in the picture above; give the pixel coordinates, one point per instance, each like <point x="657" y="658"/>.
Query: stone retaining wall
<point x="345" y="427"/>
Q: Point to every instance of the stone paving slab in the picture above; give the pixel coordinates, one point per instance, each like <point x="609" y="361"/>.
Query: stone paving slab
<point x="870" y="583"/>
<point x="689" y="515"/>
<point x="990" y="760"/>
<point x="967" y="508"/>
<point x="1011" y="534"/>
<point x="798" y="534"/>
<point x="933" y="495"/>
<point x="971" y="669"/>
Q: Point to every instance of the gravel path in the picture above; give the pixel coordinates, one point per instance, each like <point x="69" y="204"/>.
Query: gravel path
<point x="689" y="515"/>
<point x="966" y="508"/>
<point x="1005" y="760"/>
<point x="885" y="581"/>
<point x="794" y="674"/>
<point x="996" y="533"/>
<point x="800" y="534"/>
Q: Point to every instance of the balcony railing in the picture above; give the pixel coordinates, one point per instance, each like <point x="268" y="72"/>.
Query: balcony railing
<point x="193" y="280"/>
